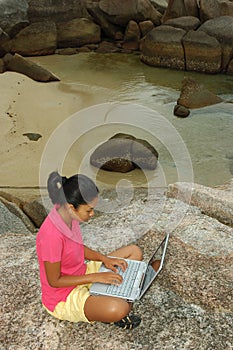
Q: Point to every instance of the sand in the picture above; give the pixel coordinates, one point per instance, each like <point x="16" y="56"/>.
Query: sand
<point x="28" y="106"/>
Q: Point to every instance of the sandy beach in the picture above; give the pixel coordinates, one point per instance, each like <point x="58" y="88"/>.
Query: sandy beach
<point x="28" y="106"/>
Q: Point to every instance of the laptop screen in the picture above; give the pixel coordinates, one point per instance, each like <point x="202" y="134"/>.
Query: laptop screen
<point x="155" y="265"/>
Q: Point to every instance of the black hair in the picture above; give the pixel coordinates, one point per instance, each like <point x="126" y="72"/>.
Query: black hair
<point x="76" y="190"/>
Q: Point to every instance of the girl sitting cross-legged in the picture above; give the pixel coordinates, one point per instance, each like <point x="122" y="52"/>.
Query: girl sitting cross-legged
<point x="65" y="275"/>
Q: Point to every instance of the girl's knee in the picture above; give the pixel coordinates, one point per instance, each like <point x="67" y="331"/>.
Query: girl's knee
<point x="136" y="252"/>
<point x="118" y="310"/>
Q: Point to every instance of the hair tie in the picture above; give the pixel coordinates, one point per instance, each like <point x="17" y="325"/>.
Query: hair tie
<point x="59" y="185"/>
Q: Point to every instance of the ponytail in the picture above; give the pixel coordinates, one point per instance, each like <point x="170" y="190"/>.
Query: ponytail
<point x="76" y="190"/>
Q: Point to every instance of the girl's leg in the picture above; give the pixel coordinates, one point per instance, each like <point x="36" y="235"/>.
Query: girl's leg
<point x="106" y="309"/>
<point x="132" y="252"/>
<point x="110" y="309"/>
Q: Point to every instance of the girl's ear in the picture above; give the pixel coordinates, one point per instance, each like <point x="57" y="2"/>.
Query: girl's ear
<point x="69" y="206"/>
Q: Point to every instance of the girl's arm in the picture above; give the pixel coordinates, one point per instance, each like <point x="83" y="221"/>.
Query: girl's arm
<point x="55" y="280"/>
<point x="110" y="263"/>
<point x="90" y="254"/>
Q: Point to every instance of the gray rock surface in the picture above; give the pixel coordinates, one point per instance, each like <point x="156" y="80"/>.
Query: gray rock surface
<point x="10" y="222"/>
<point x="189" y="306"/>
<point x="213" y="202"/>
<point x="12" y="12"/>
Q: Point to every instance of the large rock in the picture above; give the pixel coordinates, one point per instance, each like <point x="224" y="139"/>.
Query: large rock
<point x="4" y="38"/>
<point x="195" y="95"/>
<point x="13" y="13"/>
<point x="146" y="27"/>
<point x="120" y="12"/>
<point x="184" y="22"/>
<point x="78" y="32"/>
<point x="213" y="202"/>
<point x="160" y="5"/>
<point x="37" y="39"/>
<point x="15" y="209"/>
<point x="123" y="153"/>
<point x="162" y="47"/>
<point x="11" y="222"/>
<point x="36" y="211"/>
<point x="56" y="11"/>
<point x="109" y="29"/>
<point x="221" y="28"/>
<point x="192" y="294"/>
<point x="203" y="52"/>
<point x="19" y="64"/>
<point x="215" y="8"/>
<point x="132" y="36"/>
<point x="180" y="8"/>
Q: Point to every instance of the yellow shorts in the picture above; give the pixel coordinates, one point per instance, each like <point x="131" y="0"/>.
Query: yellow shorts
<point x="73" y="308"/>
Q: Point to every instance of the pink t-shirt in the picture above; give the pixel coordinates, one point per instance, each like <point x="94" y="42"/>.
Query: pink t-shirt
<point x="56" y="242"/>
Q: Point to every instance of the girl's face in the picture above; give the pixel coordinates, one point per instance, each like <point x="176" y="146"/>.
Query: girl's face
<point x="84" y="212"/>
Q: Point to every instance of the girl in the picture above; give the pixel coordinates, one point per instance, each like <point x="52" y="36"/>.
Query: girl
<point x="65" y="276"/>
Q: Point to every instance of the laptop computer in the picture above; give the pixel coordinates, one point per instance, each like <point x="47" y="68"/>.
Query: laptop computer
<point x="137" y="278"/>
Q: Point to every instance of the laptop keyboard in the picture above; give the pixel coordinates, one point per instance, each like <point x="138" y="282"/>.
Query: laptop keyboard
<point x="129" y="277"/>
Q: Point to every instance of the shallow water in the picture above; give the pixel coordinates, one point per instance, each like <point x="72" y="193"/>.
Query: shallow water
<point x="205" y="136"/>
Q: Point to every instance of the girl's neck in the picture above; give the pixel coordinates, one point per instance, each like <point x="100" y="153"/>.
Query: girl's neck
<point x="63" y="212"/>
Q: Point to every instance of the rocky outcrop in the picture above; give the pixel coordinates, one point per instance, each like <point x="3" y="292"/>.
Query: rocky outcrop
<point x="192" y="294"/>
<point x="186" y="35"/>
<point x="215" y="203"/>
<point x="122" y="11"/>
<point x="123" y="153"/>
<point x="209" y="9"/>
<point x="56" y="11"/>
<point x="179" y="8"/>
<point x="78" y="32"/>
<point x="185" y="22"/>
<point x="36" y="39"/>
<point x="19" y="64"/>
<point x="203" y="52"/>
<point x="207" y="48"/>
<point x="13" y="15"/>
<point x="221" y="28"/>
<point x="162" y="47"/>
<point x="195" y="95"/>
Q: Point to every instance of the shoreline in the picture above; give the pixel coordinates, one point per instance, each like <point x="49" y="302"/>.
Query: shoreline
<point x="33" y="107"/>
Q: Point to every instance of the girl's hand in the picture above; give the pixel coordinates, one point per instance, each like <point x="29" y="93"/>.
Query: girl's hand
<point x="107" y="277"/>
<point x="112" y="263"/>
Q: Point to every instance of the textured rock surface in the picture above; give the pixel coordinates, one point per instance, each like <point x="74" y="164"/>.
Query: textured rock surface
<point x="123" y="153"/>
<point x="213" y="202"/>
<point x="35" y="40"/>
<point x="203" y="52"/>
<point x="195" y="95"/>
<point x="19" y="64"/>
<point x="189" y="306"/>
<point x="162" y="47"/>
<point x="221" y="28"/>
<point x="78" y="32"/>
